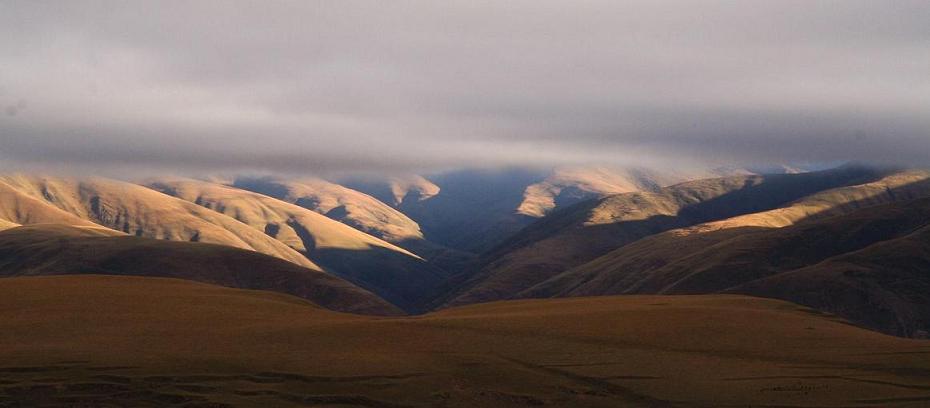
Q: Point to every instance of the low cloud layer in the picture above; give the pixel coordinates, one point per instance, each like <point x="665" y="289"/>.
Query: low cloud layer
<point x="340" y="86"/>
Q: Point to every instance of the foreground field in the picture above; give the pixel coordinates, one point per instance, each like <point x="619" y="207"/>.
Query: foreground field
<point x="106" y="340"/>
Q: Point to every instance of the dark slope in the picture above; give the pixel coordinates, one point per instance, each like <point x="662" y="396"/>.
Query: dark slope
<point x="716" y="255"/>
<point x="885" y="286"/>
<point x="869" y="266"/>
<point x="474" y="210"/>
<point x="395" y="274"/>
<point x="585" y="231"/>
<point x="57" y="250"/>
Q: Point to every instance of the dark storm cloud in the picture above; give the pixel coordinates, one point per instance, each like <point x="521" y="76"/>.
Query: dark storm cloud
<point x="401" y="86"/>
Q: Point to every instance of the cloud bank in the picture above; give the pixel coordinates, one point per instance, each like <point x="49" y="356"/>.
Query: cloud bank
<point x="403" y="86"/>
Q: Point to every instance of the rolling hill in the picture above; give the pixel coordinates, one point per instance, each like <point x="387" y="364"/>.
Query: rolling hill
<point x="343" y="204"/>
<point x="304" y="230"/>
<point x="54" y="249"/>
<point x="883" y="286"/>
<point x="585" y="231"/>
<point x="130" y="341"/>
<point x="19" y="208"/>
<point x="138" y="211"/>
<point x="718" y="256"/>
<point x="703" y="242"/>
<point x="390" y="271"/>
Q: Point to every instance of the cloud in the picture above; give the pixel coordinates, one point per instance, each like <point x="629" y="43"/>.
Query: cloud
<point x="412" y="86"/>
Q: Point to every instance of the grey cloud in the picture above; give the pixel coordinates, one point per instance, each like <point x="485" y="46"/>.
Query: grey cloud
<point x="400" y="86"/>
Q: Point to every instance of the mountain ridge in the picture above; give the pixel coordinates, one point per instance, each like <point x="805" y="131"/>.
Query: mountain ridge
<point x="583" y="232"/>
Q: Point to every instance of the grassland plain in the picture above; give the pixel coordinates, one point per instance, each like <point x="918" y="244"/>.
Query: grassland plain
<point x="116" y="341"/>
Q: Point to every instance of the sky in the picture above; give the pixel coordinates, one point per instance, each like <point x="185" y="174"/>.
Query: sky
<point x="410" y="86"/>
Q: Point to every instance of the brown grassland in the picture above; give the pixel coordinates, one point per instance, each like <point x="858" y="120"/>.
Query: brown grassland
<point x="131" y="341"/>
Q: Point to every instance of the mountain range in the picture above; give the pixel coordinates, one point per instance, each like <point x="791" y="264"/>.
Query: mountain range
<point x="420" y="243"/>
<point x="493" y="287"/>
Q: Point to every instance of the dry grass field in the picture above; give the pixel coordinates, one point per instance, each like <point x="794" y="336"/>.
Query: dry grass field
<point x="130" y="341"/>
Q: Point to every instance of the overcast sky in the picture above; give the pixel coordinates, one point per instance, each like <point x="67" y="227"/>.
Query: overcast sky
<point x="395" y="86"/>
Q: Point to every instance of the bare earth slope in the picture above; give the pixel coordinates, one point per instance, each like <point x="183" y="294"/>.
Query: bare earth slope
<point x="140" y="211"/>
<point x="590" y="229"/>
<point x="396" y="191"/>
<point x="298" y="227"/>
<point x="343" y="204"/>
<point x="19" y="208"/>
<point x="571" y="185"/>
<point x="59" y="250"/>
<point x="129" y="341"/>
<point x="390" y="271"/>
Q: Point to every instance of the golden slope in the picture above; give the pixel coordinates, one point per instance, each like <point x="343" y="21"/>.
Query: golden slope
<point x="140" y="211"/>
<point x="570" y="185"/>
<point x="298" y="227"/>
<point x="348" y="206"/>
<point x="394" y="273"/>
<point x="898" y="186"/>
<point x="151" y="342"/>
<point x="19" y="208"/>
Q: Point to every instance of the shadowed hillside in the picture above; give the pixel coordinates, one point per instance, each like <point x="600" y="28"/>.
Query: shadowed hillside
<point x="128" y="341"/>
<point x="61" y="250"/>
<point x="627" y="269"/>
<point x="583" y="232"/>
<point x="884" y="286"/>
<point x="717" y="256"/>
<point x="408" y="193"/>
<point x="392" y="272"/>
<point x="474" y="209"/>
